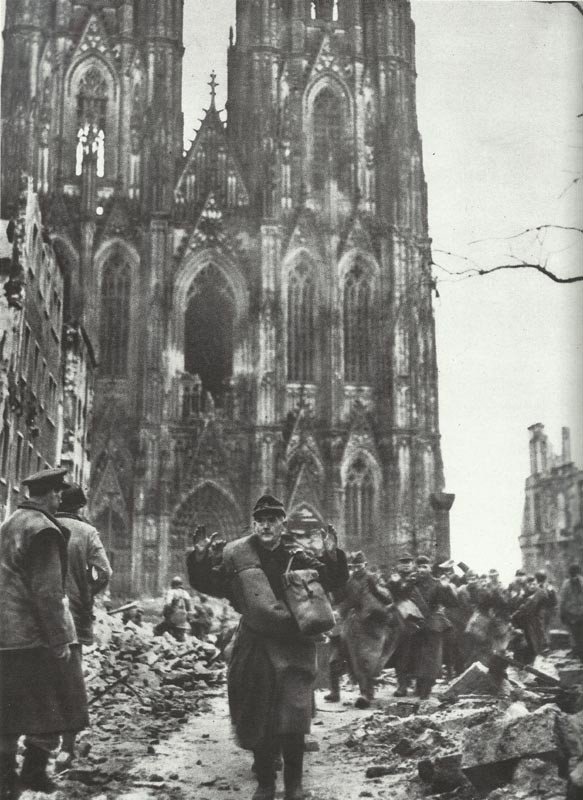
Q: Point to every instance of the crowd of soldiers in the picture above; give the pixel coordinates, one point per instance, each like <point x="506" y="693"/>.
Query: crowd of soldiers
<point x="429" y="621"/>
<point x="423" y="620"/>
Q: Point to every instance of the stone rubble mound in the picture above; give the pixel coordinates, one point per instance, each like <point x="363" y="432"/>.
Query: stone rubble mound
<point x="511" y="740"/>
<point x="140" y="688"/>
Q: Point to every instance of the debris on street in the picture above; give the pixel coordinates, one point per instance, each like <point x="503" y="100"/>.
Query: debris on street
<point x="141" y="688"/>
<point x="480" y="739"/>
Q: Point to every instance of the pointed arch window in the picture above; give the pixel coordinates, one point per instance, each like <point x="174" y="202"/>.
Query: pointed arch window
<point x="358" y="334"/>
<point x="301" y="311"/>
<point x="324" y="9"/>
<point x="209" y="332"/>
<point x="115" y="315"/>
<point x="91" y="119"/>
<point x="330" y="160"/>
<point x="359" y="501"/>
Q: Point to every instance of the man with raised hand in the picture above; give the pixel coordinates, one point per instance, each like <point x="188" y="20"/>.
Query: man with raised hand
<point x="272" y="668"/>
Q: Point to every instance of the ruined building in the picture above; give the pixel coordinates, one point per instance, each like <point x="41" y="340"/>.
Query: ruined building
<point x="552" y="523"/>
<point x="46" y="367"/>
<point x="261" y="304"/>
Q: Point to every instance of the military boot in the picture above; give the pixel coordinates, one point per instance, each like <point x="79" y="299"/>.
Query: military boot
<point x="293" y="768"/>
<point x="333" y="695"/>
<point x="34" y="771"/>
<point x="265" y="772"/>
<point x="9" y="784"/>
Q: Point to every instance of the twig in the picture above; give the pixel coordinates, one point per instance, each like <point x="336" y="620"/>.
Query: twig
<point x="529" y="230"/>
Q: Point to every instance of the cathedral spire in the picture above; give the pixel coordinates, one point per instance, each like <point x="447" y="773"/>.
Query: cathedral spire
<point x="213" y="84"/>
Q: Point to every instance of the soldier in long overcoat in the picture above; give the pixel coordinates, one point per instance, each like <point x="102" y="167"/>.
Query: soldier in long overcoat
<point x="272" y="667"/>
<point x="367" y="633"/>
<point x="88" y="574"/>
<point x="42" y="692"/>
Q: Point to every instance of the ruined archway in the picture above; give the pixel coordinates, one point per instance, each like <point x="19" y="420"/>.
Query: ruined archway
<point x="210" y="506"/>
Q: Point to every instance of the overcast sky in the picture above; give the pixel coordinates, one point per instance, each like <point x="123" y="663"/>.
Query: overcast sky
<point x="499" y="91"/>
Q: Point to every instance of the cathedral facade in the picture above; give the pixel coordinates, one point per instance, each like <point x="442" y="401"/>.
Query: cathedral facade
<point x="261" y="304"/>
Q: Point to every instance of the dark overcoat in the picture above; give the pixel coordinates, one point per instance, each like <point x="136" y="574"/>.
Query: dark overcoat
<point x="39" y="693"/>
<point x="273" y="667"/>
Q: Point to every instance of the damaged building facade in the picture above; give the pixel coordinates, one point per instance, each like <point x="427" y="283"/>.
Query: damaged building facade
<point x="552" y="522"/>
<point x="46" y="366"/>
<point x="261" y="304"/>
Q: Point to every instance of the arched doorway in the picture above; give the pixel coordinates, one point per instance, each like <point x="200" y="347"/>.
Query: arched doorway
<point x="208" y="331"/>
<point x="207" y="506"/>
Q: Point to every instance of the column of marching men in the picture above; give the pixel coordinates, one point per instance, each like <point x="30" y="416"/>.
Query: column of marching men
<point x="426" y="621"/>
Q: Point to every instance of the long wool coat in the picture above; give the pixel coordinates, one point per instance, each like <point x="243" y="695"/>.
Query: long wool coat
<point x="272" y="667"/>
<point x="39" y="693"/>
<point x="370" y="628"/>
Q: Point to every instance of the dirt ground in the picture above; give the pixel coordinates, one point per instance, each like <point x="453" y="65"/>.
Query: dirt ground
<point x="203" y="762"/>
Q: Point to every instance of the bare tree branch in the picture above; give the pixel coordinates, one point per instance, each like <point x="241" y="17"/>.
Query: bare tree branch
<point x="575" y="3"/>
<point x="573" y="182"/>
<point x="475" y="272"/>
<point x="530" y="230"/>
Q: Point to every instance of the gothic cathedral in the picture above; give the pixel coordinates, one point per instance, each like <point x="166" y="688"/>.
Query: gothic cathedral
<point x="261" y="304"/>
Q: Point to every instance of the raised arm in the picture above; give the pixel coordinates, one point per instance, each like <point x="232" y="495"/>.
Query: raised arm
<point x="204" y="564"/>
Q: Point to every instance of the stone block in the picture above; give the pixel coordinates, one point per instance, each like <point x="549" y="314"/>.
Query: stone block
<point x="475" y="680"/>
<point x="571" y="676"/>
<point x="492" y="751"/>
<point x="443" y="773"/>
<point x="560" y="640"/>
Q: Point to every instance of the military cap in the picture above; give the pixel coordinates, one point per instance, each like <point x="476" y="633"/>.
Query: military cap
<point x="405" y="557"/>
<point x="46" y="479"/>
<point x="422" y="560"/>
<point x="357" y="558"/>
<point x="177" y="581"/>
<point x="268" y="504"/>
<point x="72" y="498"/>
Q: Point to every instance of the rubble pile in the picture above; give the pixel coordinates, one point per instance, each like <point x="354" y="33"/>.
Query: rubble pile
<point x="479" y="741"/>
<point x="163" y="677"/>
<point x="140" y="688"/>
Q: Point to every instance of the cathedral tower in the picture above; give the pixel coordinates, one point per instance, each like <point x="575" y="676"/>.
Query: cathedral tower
<point x="262" y="303"/>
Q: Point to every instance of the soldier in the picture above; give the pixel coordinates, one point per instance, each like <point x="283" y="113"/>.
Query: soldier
<point x="403" y="591"/>
<point x="453" y="638"/>
<point x="529" y="618"/>
<point x="571" y="608"/>
<point x="487" y="629"/>
<point x="177" y="610"/>
<point x="272" y="668"/>
<point x="436" y="595"/>
<point x="367" y="632"/>
<point x="42" y="692"/>
<point x="551" y="604"/>
<point x="88" y="574"/>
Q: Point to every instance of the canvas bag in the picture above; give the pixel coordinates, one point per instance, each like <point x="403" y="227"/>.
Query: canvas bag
<point x="307" y="601"/>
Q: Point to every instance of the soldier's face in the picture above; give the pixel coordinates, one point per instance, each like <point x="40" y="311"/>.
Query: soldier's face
<point x="269" y="529"/>
<point x="54" y="500"/>
<point x="405" y="568"/>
